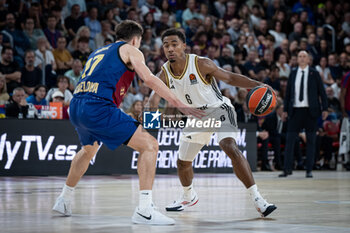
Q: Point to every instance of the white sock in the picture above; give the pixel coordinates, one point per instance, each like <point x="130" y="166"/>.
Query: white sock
<point x="67" y="192"/>
<point x="253" y="191"/>
<point x="145" y="199"/>
<point x="188" y="191"/>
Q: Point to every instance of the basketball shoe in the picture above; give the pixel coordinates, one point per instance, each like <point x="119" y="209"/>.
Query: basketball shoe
<point x="263" y="207"/>
<point x="151" y="216"/>
<point x="62" y="206"/>
<point x="183" y="202"/>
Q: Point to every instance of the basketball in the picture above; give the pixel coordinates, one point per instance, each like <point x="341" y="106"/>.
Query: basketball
<point x="261" y="101"/>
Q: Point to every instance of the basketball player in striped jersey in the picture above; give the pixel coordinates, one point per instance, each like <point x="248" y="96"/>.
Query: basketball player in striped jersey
<point x="192" y="79"/>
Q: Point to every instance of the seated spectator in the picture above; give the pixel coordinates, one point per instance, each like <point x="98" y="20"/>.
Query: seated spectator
<point x="38" y="96"/>
<point x="106" y="33"/>
<point x="63" y="84"/>
<point x="284" y="69"/>
<point x="297" y="33"/>
<point x="252" y="64"/>
<point x="74" y="21"/>
<point x="74" y="74"/>
<point x="44" y="59"/>
<point x="278" y="34"/>
<point x="273" y="79"/>
<point x="18" y="106"/>
<point x="51" y="33"/>
<point x="135" y="110"/>
<point x="277" y="129"/>
<point x="83" y="31"/>
<point x="226" y="57"/>
<point x="231" y="90"/>
<point x="18" y="39"/>
<point x="189" y="13"/>
<point x="240" y="99"/>
<point x="4" y="96"/>
<point x="58" y="97"/>
<point x="324" y="72"/>
<point x="32" y="33"/>
<point x="336" y="71"/>
<point x="10" y="69"/>
<point x="150" y="7"/>
<point x="63" y="58"/>
<point x="93" y="23"/>
<point x="83" y="51"/>
<point x="31" y="75"/>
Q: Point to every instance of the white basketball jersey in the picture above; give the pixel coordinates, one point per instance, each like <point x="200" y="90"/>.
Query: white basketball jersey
<point x="191" y="88"/>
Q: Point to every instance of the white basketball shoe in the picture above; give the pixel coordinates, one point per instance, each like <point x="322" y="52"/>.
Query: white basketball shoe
<point x="62" y="206"/>
<point x="183" y="202"/>
<point x="151" y="216"/>
<point x="263" y="207"/>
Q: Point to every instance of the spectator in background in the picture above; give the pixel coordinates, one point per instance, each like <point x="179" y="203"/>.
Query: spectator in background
<point x="297" y="33"/>
<point x="344" y="62"/>
<point x="278" y="34"/>
<point x="231" y="90"/>
<point x="58" y="97"/>
<point x="104" y="34"/>
<point x="150" y="7"/>
<point x="273" y="78"/>
<point x="83" y="51"/>
<point x="110" y="18"/>
<point x="81" y="3"/>
<point x="38" y="96"/>
<point x="189" y="13"/>
<point x="74" y="21"/>
<point x="4" y="96"/>
<point x="63" y="85"/>
<point x="83" y="31"/>
<point x="235" y="30"/>
<point x="251" y="64"/>
<point x="74" y="74"/>
<point x="92" y="23"/>
<point x="33" y="34"/>
<point x="57" y="12"/>
<point x="226" y="57"/>
<point x="18" y="106"/>
<point x="31" y="75"/>
<point x="324" y="72"/>
<point x="334" y="67"/>
<point x="284" y="69"/>
<point x="10" y="69"/>
<point x="51" y="33"/>
<point x="18" y="40"/>
<point x="276" y="129"/>
<point x="44" y="59"/>
<point x="135" y="110"/>
<point x="63" y="58"/>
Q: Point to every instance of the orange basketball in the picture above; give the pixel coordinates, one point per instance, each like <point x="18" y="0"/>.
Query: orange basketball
<point x="261" y="101"/>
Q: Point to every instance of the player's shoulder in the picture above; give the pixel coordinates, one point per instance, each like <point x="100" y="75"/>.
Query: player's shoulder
<point x="205" y="63"/>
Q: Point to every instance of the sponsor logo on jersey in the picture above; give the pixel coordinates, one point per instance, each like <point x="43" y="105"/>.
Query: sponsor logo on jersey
<point x="193" y="79"/>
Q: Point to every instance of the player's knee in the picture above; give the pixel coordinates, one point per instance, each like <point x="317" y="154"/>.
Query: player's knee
<point x="151" y="145"/>
<point x="229" y="146"/>
<point x="182" y="165"/>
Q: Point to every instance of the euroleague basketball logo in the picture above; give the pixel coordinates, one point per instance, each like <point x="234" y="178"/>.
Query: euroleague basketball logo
<point x="264" y="103"/>
<point x="193" y="79"/>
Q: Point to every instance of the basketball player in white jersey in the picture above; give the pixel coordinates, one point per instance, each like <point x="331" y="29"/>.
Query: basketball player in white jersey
<point x="191" y="79"/>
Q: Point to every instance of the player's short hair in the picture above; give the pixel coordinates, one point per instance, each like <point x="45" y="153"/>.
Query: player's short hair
<point x="127" y="29"/>
<point x="174" y="32"/>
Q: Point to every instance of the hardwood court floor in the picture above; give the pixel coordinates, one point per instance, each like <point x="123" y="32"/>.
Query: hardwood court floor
<point x="106" y="203"/>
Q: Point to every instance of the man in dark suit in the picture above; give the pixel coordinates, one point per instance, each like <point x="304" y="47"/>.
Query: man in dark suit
<point x="302" y="107"/>
<point x="276" y="128"/>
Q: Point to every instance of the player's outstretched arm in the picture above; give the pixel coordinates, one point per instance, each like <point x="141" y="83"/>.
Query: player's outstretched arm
<point x="137" y="61"/>
<point x="154" y="99"/>
<point x="208" y="67"/>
